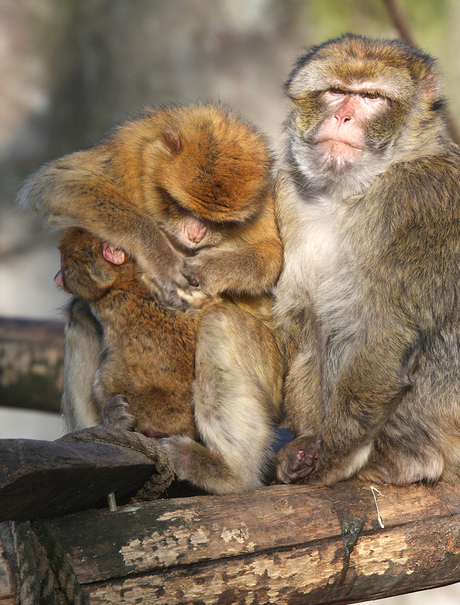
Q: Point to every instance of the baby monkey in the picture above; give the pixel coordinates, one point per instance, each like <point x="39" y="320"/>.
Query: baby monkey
<point x="144" y="379"/>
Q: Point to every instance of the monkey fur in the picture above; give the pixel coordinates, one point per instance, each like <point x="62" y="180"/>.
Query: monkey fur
<point x="368" y="203"/>
<point x="145" y="377"/>
<point x="186" y="191"/>
<point x="174" y="188"/>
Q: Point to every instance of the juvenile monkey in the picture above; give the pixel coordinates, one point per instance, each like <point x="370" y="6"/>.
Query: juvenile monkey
<point x="186" y="191"/>
<point x="368" y="300"/>
<point x="145" y="376"/>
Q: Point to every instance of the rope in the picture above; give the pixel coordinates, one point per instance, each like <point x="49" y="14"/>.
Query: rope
<point x="60" y="565"/>
<point x="43" y="565"/>
<point x="164" y="467"/>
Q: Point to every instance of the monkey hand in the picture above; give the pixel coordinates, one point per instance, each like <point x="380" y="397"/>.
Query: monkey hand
<point x="115" y="413"/>
<point x="167" y="279"/>
<point x="297" y="459"/>
<point x="203" y="270"/>
<point x="196" y="298"/>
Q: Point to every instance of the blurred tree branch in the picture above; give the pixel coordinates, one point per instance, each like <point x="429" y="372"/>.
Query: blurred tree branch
<point x="401" y="23"/>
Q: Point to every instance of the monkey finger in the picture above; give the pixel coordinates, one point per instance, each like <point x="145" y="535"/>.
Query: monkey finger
<point x="115" y="413"/>
<point x="191" y="279"/>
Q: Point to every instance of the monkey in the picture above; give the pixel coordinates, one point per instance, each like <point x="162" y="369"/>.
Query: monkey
<point x="187" y="192"/>
<point x="368" y="205"/>
<point x="145" y="377"/>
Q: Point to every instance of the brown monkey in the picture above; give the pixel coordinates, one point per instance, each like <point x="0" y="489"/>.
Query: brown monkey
<point x="187" y="192"/>
<point x="171" y="183"/>
<point x="368" y="300"/>
<point x="145" y="377"/>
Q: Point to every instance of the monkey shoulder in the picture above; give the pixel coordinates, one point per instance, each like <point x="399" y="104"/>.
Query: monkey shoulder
<point x="430" y="177"/>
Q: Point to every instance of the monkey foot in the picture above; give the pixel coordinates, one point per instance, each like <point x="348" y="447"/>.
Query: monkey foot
<point x="116" y="413"/>
<point x="297" y="459"/>
<point x="377" y="473"/>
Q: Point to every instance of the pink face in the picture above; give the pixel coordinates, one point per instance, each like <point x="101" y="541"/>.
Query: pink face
<point x="193" y="232"/>
<point x="341" y="135"/>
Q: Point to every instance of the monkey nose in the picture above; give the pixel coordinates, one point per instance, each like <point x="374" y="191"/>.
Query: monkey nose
<point x="59" y="279"/>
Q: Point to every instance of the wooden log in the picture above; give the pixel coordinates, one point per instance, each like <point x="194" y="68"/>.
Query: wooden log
<point x="49" y="478"/>
<point x="281" y="544"/>
<point x="31" y="357"/>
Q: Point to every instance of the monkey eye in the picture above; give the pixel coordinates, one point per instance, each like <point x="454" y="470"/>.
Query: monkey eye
<point x="333" y="94"/>
<point x="336" y="92"/>
<point x="372" y="96"/>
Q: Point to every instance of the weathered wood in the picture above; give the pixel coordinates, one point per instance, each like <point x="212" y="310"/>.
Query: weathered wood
<point x="48" y="478"/>
<point x="31" y="356"/>
<point x="282" y="544"/>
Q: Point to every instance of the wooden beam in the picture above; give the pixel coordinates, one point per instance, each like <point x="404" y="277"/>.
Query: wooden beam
<point x="31" y="357"/>
<point x="44" y="479"/>
<point x="281" y="544"/>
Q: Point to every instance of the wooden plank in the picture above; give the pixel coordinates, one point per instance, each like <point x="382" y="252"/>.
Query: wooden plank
<point x="31" y="358"/>
<point x="49" y="478"/>
<point x="282" y="544"/>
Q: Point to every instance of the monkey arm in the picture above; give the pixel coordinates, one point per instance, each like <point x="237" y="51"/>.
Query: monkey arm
<point x="66" y="193"/>
<point x="249" y="269"/>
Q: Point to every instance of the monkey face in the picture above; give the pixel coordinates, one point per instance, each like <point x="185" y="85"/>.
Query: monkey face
<point x="84" y="270"/>
<point x="352" y="98"/>
<point x="340" y="137"/>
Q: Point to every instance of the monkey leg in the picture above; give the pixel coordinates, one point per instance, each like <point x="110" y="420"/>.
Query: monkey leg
<point x="237" y="396"/>
<point x="81" y="360"/>
<point x="303" y="407"/>
<point x="410" y="448"/>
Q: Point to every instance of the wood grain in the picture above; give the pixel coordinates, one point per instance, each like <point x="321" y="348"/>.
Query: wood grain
<point x="280" y="544"/>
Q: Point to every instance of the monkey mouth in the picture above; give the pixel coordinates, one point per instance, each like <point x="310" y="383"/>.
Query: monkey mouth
<point x="338" y="152"/>
<point x="336" y="145"/>
<point x="59" y="279"/>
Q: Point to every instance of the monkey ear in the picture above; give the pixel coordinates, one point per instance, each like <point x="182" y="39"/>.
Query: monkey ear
<point x="294" y="88"/>
<point x="172" y="143"/>
<point x="116" y="256"/>
<point x="432" y="87"/>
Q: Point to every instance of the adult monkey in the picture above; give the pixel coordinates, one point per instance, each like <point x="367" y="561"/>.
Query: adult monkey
<point x="368" y="300"/>
<point x="187" y="192"/>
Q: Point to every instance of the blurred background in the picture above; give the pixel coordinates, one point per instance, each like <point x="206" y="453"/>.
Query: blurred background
<point x="71" y="71"/>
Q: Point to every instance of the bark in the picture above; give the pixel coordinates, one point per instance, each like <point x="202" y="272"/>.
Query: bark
<point x="280" y="544"/>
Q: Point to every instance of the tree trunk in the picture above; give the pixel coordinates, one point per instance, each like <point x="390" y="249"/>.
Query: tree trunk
<point x="280" y="544"/>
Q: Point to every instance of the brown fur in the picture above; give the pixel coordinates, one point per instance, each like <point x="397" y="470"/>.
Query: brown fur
<point x="148" y="352"/>
<point x="368" y="297"/>
<point x="187" y="192"/>
<point x="161" y="176"/>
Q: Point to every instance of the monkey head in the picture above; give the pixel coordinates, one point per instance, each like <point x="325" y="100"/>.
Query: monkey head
<point x="205" y="167"/>
<point x="89" y="267"/>
<point x="356" y="100"/>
